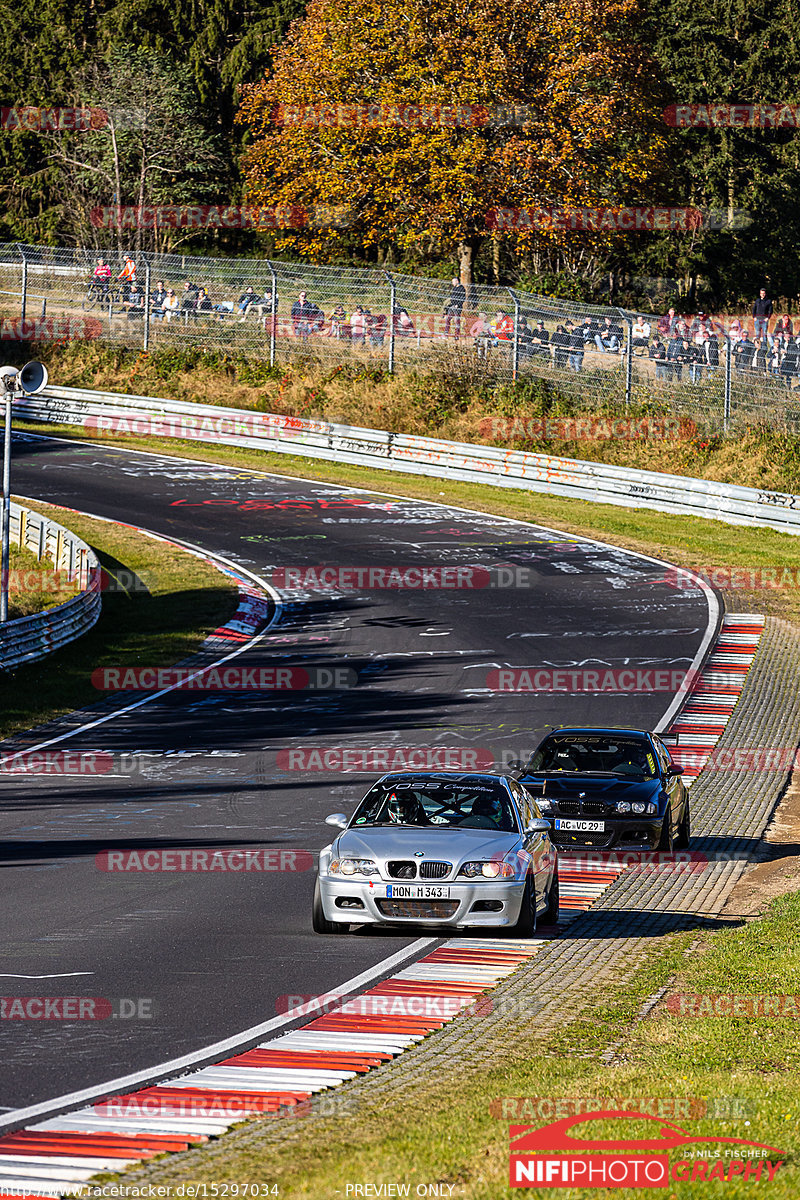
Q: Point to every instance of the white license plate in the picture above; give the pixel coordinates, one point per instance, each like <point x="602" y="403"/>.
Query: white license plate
<point x="416" y="891"/>
<point x="581" y="826"/>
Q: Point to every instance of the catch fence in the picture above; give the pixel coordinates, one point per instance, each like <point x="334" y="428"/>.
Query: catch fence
<point x="381" y="320"/>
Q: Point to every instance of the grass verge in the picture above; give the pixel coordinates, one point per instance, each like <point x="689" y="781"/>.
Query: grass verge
<point x="155" y="622"/>
<point x="715" y="1076"/>
<point x="34" y="585"/>
<point x="694" y="542"/>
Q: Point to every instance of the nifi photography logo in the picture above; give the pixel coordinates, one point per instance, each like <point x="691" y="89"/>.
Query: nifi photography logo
<point x="552" y="1156"/>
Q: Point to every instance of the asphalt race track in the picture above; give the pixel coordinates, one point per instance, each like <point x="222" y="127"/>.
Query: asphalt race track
<point x="211" y="953"/>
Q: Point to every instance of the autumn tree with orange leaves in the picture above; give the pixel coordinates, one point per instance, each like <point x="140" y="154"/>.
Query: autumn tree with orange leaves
<point x="590" y="134"/>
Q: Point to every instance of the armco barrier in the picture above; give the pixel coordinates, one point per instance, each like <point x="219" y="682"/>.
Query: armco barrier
<point x="147" y="416"/>
<point x="26" y="639"/>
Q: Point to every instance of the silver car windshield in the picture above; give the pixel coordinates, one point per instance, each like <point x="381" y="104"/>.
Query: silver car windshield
<point x="606" y="755"/>
<point x="445" y="806"/>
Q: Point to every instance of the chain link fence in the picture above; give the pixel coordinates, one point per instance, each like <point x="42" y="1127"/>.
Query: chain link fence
<point x="601" y="358"/>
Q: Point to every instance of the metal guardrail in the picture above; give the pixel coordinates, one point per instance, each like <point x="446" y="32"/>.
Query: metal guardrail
<point x="599" y="482"/>
<point x="27" y="639"/>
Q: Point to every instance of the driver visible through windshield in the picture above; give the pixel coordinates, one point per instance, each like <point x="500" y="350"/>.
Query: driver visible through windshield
<point x="601" y="755"/>
<point x="443" y="805"/>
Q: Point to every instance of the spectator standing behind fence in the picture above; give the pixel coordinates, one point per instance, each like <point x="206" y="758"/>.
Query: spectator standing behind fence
<point x="540" y="339"/>
<point x="481" y="331"/>
<point x="171" y="304"/>
<point x="128" y="273"/>
<point x="338" y="322"/>
<point x="454" y="307"/>
<point x="576" y="347"/>
<point x="784" y="326"/>
<point x="560" y="343"/>
<point x="358" y="326"/>
<point x="157" y="302"/>
<point x="101" y="276"/>
<point x="789" y="361"/>
<point x="189" y="299"/>
<point x="710" y="349"/>
<point x="743" y="353"/>
<point x="301" y="314"/>
<point x="761" y="356"/>
<point x="640" y="335"/>
<point x="403" y="325"/>
<point x="524" y="338"/>
<point x="658" y="354"/>
<point x="762" y="311"/>
<point x="673" y="356"/>
<point x="134" y="302"/>
<point x="666" y="325"/>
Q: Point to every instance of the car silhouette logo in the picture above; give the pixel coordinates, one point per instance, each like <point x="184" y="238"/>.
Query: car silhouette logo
<point x="667" y="1135"/>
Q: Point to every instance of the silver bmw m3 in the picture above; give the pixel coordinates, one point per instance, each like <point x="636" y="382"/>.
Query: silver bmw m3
<point x="439" y="848"/>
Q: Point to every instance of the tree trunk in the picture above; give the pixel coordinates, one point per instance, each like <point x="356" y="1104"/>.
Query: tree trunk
<point x="467" y="249"/>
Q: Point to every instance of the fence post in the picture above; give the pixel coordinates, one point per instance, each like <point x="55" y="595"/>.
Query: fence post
<point x="273" y="317"/>
<point x="726" y="409"/>
<point x="24" y="283"/>
<point x="515" y="347"/>
<point x="146" y="345"/>
<point x="628" y="358"/>
<point x="392" y="295"/>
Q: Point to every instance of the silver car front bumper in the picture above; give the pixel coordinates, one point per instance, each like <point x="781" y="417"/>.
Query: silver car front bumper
<point x="365" y="902"/>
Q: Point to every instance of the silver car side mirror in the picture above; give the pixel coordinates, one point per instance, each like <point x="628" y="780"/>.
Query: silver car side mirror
<point x="338" y="820"/>
<point x="540" y="825"/>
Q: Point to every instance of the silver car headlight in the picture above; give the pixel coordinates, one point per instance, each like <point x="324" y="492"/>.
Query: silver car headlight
<point x="544" y="804"/>
<point x="488" y="870"/>
<point x="622" y="806"/>
<point x="352" y="866"/>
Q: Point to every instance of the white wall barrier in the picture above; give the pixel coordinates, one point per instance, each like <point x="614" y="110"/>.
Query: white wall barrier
<point x="146" y="416"/>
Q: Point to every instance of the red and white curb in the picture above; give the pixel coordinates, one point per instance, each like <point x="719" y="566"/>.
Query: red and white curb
<point x="277" y="1076"/>
<point x="694" y="734"/>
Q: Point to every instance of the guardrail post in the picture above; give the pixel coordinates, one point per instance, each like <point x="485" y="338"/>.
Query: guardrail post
<point x="726" y="407"/>
<point x="146" y="345"/>
<point x="392" y="296"/>
<point x="273" y="320"/>
<point x="24" y="303"/>
<point x="515" y="346"/>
